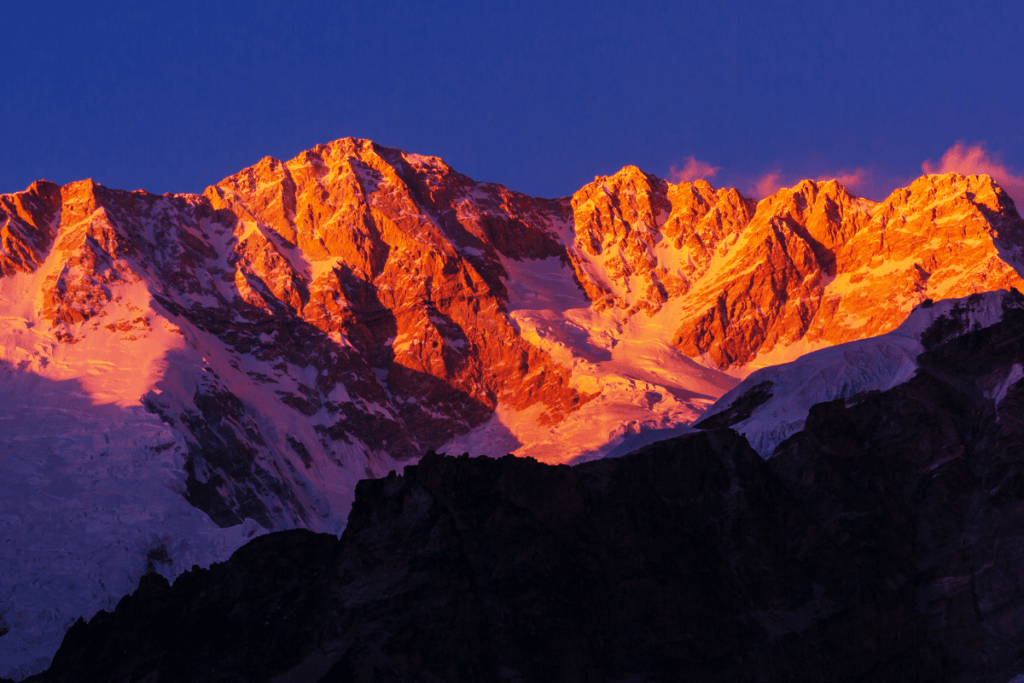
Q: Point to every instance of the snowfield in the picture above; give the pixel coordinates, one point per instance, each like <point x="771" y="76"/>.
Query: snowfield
<point x="90" y="500"/>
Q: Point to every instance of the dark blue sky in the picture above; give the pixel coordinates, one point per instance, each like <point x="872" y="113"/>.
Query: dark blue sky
<point x="540" y="96"/>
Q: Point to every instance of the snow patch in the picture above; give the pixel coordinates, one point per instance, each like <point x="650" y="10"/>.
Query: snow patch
<point x="1001" y="389"/>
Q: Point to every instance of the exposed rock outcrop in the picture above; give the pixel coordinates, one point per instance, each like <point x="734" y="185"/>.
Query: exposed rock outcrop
<point x="355" y="290"/>
<point x="810" y="266"/>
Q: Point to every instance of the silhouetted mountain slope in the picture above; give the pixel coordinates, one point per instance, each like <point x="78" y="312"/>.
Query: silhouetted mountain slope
<point x="924" y="486"/>
<point x="685" y="560"/>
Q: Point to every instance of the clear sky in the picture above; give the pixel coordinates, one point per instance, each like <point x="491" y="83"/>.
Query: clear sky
<point x="539" y="96"/>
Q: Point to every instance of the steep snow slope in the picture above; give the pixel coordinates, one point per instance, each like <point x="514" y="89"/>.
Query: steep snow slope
<point x="638" y="387"/>
<point x="97" y="488"/>
<point x="90" y="498"/>
<point x="772" y="403"/>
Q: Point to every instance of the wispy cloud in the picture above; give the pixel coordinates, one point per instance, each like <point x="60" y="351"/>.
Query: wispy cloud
<point x="854" y="179"/>
<point x="772" y="181"/>
<point x="693" y="170"/>
<point x="767" y="185"/>
<point x="971" y="159"/>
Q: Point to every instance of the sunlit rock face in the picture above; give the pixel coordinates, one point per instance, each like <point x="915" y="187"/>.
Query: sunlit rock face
<point x="308" y="323"/>
<point x="810" y="266"/>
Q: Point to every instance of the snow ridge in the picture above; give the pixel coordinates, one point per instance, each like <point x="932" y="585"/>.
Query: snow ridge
<point x="772" y="404"/>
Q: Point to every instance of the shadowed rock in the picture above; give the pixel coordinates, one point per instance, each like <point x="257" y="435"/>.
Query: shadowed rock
<point x="685" y="560"/>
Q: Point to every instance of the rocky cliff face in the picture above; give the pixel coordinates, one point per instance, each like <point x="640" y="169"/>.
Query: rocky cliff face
<point x="253" y="351"/>
<point x="298" y="327"/>
<point x="683" y="272"/>
<point x="810" y="266"/>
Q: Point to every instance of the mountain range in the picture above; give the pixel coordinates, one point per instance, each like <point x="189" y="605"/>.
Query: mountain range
<point x="187" y="372"/>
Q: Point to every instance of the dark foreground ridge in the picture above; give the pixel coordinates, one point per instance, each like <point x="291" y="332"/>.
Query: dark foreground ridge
<point x="686" y="558"/>
<point x="882" y="543"/>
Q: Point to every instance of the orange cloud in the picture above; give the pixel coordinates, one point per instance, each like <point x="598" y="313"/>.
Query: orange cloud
<point x="767" y="185"/>
<point x="973" y="159"/>
<point x="848" y="179"/>
<point x="693" y="170"/>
